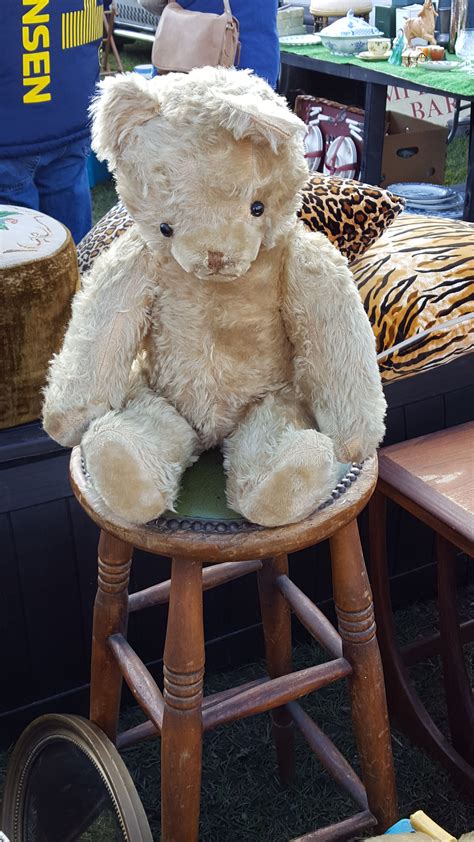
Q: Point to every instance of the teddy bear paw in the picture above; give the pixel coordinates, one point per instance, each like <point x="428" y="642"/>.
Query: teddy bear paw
<point x="120" y="474"/>
<point x="303" y="473"/>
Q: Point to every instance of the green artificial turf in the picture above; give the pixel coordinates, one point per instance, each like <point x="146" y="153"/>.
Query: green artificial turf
<point x="242" y="800"/>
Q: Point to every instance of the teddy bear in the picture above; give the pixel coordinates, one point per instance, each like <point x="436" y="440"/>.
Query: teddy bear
<point x="217" y="319"/>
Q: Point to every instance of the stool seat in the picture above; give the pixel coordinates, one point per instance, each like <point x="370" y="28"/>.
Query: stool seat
<point x="204" y="528"/>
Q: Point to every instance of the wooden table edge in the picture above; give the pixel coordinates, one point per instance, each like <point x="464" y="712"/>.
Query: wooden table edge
<point x="427" y="504"/>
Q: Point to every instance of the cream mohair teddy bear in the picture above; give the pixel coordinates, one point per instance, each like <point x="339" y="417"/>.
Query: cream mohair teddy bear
<point x="218" y="319"/>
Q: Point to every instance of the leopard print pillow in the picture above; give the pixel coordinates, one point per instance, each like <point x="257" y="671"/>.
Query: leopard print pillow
<point x="102" y="235"/>
<point x="352" y="215"/>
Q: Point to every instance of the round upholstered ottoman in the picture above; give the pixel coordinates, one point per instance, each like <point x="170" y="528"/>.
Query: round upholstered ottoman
<point x="38" y="277"/>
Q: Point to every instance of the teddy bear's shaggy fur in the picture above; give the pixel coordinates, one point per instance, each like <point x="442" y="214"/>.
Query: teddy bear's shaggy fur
<point x="236" y="327"/>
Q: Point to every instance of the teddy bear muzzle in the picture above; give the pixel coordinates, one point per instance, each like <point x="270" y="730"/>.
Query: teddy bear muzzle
<point x="222" y="255"/>
<point x="218" y="266"/>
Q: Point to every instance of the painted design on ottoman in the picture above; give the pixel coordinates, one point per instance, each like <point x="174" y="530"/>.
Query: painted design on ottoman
<point x="27" y="234"/>
<point x="4" y="222"/>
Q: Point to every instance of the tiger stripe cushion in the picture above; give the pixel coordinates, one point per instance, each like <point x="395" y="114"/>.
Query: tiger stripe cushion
<point x="417" y="283"/>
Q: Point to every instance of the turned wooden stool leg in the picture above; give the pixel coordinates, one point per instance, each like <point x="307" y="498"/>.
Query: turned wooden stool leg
<point x="354" y="608"/>
<point x="276" y="619"/>
<point x="110" y="617"/>
<point x="181" y="736"/>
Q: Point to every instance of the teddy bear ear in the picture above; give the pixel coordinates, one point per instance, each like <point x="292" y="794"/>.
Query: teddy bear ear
<point x="268" y="119"/>
<point x="122" y="103"/>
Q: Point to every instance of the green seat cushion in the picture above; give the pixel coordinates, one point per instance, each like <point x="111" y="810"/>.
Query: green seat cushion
<point x="202" y="501"/>
<point x="202" y="494"/>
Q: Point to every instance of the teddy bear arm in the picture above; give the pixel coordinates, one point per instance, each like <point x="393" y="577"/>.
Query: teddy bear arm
<point x="91" y="373"/>
<point x="335" y="361"/>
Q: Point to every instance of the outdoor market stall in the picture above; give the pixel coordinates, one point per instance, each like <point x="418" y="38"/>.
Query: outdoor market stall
<point x="456" y="83"/>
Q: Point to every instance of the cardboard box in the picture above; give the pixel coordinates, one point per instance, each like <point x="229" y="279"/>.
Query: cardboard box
<point x="414" y="150"/>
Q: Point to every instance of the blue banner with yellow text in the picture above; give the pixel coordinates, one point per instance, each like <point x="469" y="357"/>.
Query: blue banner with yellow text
<point x="49" y="66"/>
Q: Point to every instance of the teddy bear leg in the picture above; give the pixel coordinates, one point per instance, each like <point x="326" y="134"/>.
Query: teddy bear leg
<point x="278" y="468"/>
<point x="136" y="456"/>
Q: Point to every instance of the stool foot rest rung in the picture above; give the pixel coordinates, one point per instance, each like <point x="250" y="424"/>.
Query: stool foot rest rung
<point x="248" y="699"/>
<point x="212" y="577"/>
<point x="147" y="731"/>
<point x="328" y="755"/>
<point x="138" y="678"/>
<point x="310" y="616"/>
<point x="137" y="734"/>
<point x="275" y="692"/>
<point x="342" y="830"/>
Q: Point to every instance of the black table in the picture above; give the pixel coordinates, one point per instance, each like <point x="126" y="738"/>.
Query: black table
<point x="376" y="84"/>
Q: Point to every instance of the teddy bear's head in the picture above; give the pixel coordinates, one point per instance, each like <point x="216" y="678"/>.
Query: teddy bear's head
<point x="209" y="164"/>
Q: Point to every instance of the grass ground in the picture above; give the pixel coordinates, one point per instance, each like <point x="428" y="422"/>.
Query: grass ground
<point x="242" y="800"/>
<point x="456" y="161"/>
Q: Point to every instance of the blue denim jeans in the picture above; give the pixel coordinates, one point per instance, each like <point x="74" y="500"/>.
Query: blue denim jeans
<point x="55" y="183"/>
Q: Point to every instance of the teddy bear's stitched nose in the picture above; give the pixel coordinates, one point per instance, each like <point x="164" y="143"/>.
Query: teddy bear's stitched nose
<point x="215" y="260"/>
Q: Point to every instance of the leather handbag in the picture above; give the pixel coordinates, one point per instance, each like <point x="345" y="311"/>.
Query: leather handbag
<point x="186" y="39"/>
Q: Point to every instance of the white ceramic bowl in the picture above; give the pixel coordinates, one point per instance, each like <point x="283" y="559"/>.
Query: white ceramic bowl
<point x="344" y="45"/>
<point x="348" y="36"/>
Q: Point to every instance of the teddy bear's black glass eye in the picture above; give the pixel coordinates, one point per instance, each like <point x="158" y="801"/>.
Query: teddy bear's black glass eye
<point x="166" y="229"/>
<point x="257" y="208"/>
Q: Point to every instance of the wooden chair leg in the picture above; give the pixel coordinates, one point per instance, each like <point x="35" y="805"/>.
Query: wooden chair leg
<point x="110" y="617"/>
<point x="181" y="736"/>
<point x="276" y="619"/>
<point x="458" y="690"/>
<point x="405" y="704"/>
<point x="353" y="601"/>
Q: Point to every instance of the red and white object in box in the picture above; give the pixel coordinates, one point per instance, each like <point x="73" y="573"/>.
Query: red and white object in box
<point x="334" y="139"/>
<point x="414" y="150"/>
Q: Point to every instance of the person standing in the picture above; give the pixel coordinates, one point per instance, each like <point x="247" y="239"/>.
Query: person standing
<point x="260" y="49"/>
<point x="49" y="66"/>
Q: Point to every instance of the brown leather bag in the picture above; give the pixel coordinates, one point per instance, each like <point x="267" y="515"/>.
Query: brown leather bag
<point x="186" y="39"/>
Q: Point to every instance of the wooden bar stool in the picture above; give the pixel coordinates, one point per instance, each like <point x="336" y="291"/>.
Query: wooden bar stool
<point x="235" y="547"/>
